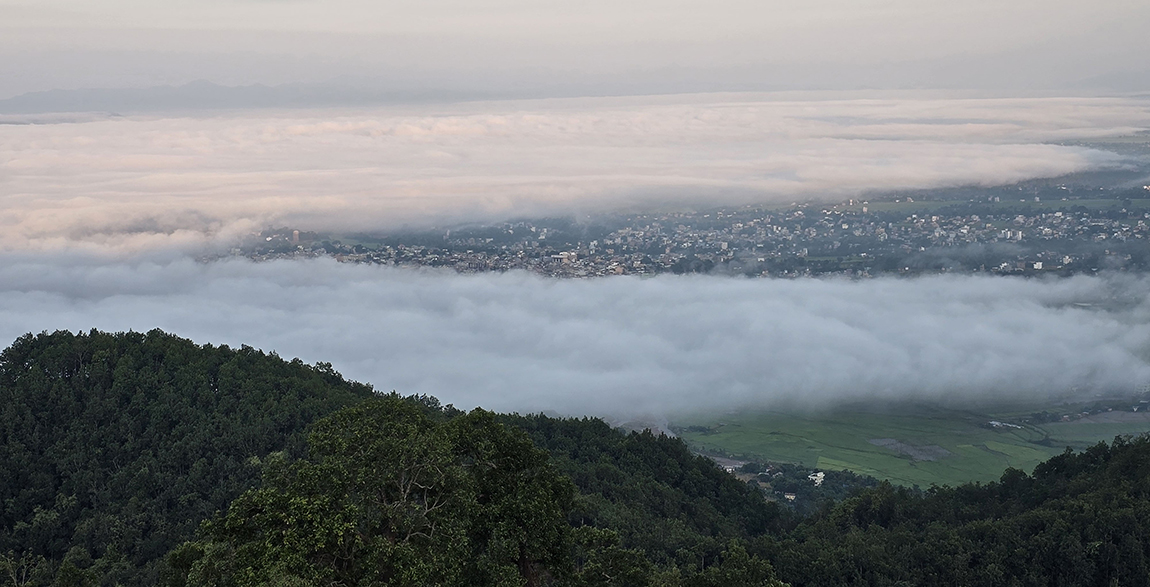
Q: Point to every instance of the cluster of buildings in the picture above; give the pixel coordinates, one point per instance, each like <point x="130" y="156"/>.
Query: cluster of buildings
<point x="853" y="238"/>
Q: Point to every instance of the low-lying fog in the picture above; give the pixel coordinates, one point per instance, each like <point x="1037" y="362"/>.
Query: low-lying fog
<point x="618" y="346"/>
<point x="97" y="182"/>
<point x="86" y="199"/>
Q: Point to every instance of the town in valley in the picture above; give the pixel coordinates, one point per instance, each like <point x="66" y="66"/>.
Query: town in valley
<point x="1051" y="229"/>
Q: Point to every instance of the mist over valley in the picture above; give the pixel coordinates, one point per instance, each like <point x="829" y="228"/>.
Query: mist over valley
<point x="519" y="293"/>
<point x="621" y="346"/>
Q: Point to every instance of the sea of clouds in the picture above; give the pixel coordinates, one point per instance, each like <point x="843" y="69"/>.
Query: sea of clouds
<point x="101" y="217"/>
<point x="115" y="184"/>
<point x="623" y="346"/>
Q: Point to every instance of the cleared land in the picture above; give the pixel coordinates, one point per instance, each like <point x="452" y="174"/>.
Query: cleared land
<point x="910" y="445"/>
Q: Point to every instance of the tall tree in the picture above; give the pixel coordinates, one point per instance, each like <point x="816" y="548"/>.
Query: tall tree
<point x="390" y="496"/>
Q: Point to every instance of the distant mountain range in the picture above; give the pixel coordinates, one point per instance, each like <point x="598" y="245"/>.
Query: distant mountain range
<point x="205" y="95"/>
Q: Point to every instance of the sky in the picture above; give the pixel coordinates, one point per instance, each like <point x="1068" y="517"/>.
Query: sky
<point x="552" y="47"/>
<point x="135" y="136"/>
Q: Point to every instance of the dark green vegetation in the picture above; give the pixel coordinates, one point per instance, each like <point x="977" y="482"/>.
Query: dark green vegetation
<point x="113" y="448"/>
<point x="117" y="447"/>
<point x="146" y="459"/>
<point x="1081" y="519"/>
<point x="809" y="494"/>
<point x="676" y="507"/>
<point x="390" y="496"/>
<point x="913" y="445"/>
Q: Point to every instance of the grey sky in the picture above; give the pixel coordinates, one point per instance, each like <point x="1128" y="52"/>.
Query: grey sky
<point x="546" y="46"/>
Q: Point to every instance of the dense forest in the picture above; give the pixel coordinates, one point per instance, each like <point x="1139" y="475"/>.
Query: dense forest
<point x="115" y="447"/>
<point x="145" y="459"/>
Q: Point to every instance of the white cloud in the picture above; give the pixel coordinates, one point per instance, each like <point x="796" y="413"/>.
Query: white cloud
<point x="619" y="346"/>
<point x="146" y="182"/>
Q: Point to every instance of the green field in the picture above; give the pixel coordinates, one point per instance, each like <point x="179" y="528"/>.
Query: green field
<point x="909" y="445"/>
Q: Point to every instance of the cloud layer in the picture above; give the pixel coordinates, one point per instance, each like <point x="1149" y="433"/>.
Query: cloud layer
<point x="146" y="182"/>
<point x="620" y="346"/>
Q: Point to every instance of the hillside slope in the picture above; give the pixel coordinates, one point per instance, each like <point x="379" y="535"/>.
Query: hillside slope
<point x="115" y="447"/>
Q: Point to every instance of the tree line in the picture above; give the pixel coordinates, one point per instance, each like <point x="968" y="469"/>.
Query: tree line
<point x="146" y="459"/>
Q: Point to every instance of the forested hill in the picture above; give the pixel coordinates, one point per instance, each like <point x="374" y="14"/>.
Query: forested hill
<point x="1080" y="519"/>
<point x="114" y="447"/>
<point x="678" y="508"/>
<point x="144" y="459"/>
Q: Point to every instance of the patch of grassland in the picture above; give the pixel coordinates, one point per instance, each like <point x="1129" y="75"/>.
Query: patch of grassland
<point x="1078" y="434"/>
<point x="901" y="444"/>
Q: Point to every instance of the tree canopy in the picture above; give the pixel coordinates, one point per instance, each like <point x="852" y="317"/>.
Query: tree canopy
<point x="389" y="496"/>
<point x="114" y="447"/>
<point x="143" y="459"/>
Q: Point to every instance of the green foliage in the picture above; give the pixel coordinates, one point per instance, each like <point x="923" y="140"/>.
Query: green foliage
<point x="390" y="496"/>
<point x="114" y="447"/>
<point x="601" y="561"/>
<point x="119" y="445"/>
<point x="519" y="517"/>
<point x="780" y="479"/>
<point x="737" y="568"/>
<point x="491" y="509"/>
<point x="1081" y="519"/>
<point x="26" y="569"/>
<point x="661" y="499"/>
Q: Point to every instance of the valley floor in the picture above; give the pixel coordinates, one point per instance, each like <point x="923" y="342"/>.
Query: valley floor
<point x="915" y="445"/>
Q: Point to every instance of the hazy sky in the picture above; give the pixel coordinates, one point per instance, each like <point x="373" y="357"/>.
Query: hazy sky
<point x="148" y="182"/>
<point x="620" y="346"/>
<point x="598" y="45"/>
